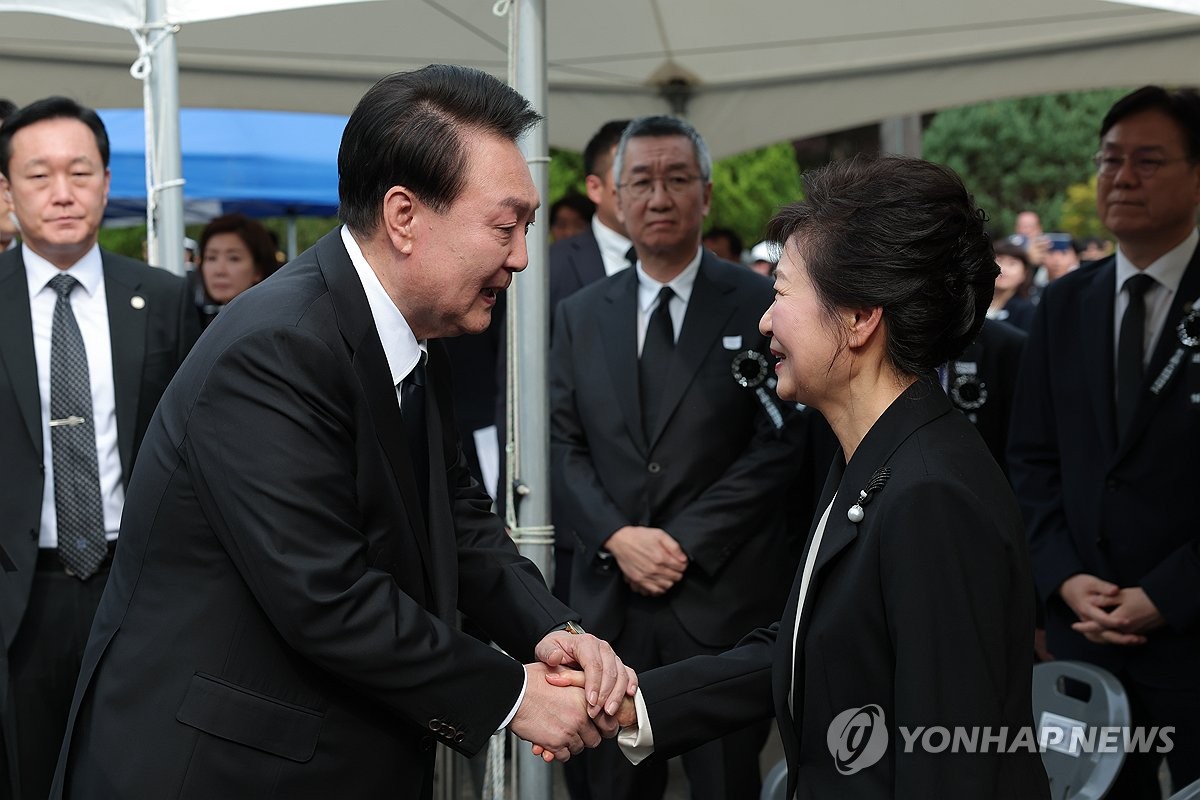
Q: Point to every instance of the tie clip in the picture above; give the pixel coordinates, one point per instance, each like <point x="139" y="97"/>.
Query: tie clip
<point x="71" y="420"/>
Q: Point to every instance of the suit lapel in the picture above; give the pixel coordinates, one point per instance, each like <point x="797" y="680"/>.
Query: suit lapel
<point x="16" y="344"/>
<point x="709" y="308"/>
<point x="618" y="329"/>
<point x="127" y="336"/>
<point x="1168" y="342"/>
<point x="370" y="364"/>
<point x="1096" y="312"/>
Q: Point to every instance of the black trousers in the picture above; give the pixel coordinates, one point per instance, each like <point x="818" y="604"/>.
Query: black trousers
<point x="1156" y="706"/>
<point x="43" y="668"/>
<point x="724" y="769"/>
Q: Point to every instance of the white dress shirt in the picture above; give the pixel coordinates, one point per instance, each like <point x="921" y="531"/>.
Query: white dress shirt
<point x="1167" y="272"/>
<point x="613" y="247"/>
<point x="402" y="351"/>
<point x="90" y="306"/>
<point x="648" y="290"/>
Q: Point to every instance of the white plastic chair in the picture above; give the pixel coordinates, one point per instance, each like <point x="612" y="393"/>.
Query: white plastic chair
<point x="1074" y="696"/>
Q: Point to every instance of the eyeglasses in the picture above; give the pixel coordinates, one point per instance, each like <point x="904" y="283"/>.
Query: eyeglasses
<point x="644" y="187"/>
<point x="1144" y="166"/>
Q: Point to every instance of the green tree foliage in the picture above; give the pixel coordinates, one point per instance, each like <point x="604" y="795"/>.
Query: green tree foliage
<point x="750" y="187"/>
<point x="566" y="173"/>
<point x="1023" y="153"/>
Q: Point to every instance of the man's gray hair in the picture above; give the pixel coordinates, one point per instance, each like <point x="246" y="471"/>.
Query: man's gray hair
<point x="656" y="126"/>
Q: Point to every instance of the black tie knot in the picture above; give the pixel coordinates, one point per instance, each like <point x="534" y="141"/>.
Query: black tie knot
<point x="63" y="284"/>
<point x="631" y="255"/>
<point x="664" y="296"/>
<point x="1138" y="285"/>
<point x="417" y="376"/>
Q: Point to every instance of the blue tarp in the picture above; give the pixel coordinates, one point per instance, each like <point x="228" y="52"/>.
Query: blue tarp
<point x="262" y="163"/>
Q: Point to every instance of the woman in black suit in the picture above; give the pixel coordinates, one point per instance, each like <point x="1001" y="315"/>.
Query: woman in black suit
<point x="913" y="609"/>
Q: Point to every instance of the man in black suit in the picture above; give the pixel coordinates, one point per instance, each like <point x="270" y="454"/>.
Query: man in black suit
<point x="575" y="262"/>
<point x="302" y="526"/>
<point x="1106" y="432"/>
<point x="133" y="325"/>
<point x="603" y="249"/>
<point x="667" y="469"/>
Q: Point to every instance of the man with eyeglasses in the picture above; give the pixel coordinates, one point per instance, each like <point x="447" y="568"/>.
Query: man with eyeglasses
<point x="669" y="469"/>
<point x="1106" y="434"/>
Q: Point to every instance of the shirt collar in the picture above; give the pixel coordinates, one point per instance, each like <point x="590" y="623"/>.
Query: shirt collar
<point x="611" y="243"/>
<point x="88" y="270"/>
<point x="1167" y="270"/>
<point x="681" y="284"/>
<point x="400" y="346"/>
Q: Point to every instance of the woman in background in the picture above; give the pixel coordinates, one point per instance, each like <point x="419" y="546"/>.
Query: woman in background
<point x="236" y="252"/>
<point x="1011" y="302"/>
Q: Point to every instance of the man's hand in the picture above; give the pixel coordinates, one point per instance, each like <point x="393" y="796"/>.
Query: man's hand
<point x="651" y="561"/>
<point x="1133" y="615"/>
<point x="625" y="716"/>
<point x="553" y="717"/>
<point x="1107" y="613"/>
<point x="606" y="681"/>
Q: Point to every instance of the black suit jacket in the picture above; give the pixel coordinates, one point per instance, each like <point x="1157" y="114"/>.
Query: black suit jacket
<point x="574" y="263"/>
<point x="983" y="380"/>
<point x="148" y="344"/>
<point x="1102" y="507"/>
<point x="711" y="473"/>
<point x="923" y="609"/>
<point x="279" y="621"/>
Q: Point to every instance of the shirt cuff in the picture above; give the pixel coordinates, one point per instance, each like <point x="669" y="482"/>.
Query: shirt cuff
<point x="637" y="743"/>
<point x="520" y="697"/>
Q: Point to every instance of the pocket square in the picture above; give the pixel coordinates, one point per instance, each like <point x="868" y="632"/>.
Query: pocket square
<point x="732" y="342"/>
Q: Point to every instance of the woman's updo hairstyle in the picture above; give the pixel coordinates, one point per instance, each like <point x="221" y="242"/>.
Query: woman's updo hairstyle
<point x="902" y="234"/>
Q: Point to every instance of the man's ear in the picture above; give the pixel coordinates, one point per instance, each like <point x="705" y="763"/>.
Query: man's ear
<point x="400" y="208"/>
<point x="863" y="322"/>
<point x="595" y="188"/>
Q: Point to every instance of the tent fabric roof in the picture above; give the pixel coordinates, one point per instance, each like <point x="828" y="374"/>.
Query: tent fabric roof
<point x="754" y="73"/>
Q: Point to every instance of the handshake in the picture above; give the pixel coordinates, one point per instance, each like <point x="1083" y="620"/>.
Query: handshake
<point x="577" y="693"/>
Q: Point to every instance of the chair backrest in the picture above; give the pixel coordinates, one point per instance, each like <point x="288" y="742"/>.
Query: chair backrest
<point x="774" y="786"/>
<point x="1072" y="701"/>
<point x="1189" y="792"/>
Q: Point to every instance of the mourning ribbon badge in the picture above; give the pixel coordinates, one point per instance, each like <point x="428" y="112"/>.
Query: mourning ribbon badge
<point x="750" y="371"/>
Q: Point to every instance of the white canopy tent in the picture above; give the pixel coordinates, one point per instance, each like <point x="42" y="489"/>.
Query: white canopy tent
<point x="747" y="74"/>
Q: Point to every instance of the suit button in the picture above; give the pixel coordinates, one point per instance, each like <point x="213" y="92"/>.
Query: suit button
<point x="653" y="468"/>
<point x="459" y="737"/>
<point x="435" y="725"/>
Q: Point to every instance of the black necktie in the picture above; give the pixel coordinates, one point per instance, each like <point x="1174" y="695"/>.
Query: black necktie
<point x="631" y="255"/>
<point x="78" y="509"/>
<point x="656" y="360"/>
<point x="1131" y="350"/>
<point x="412" y="409"/>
